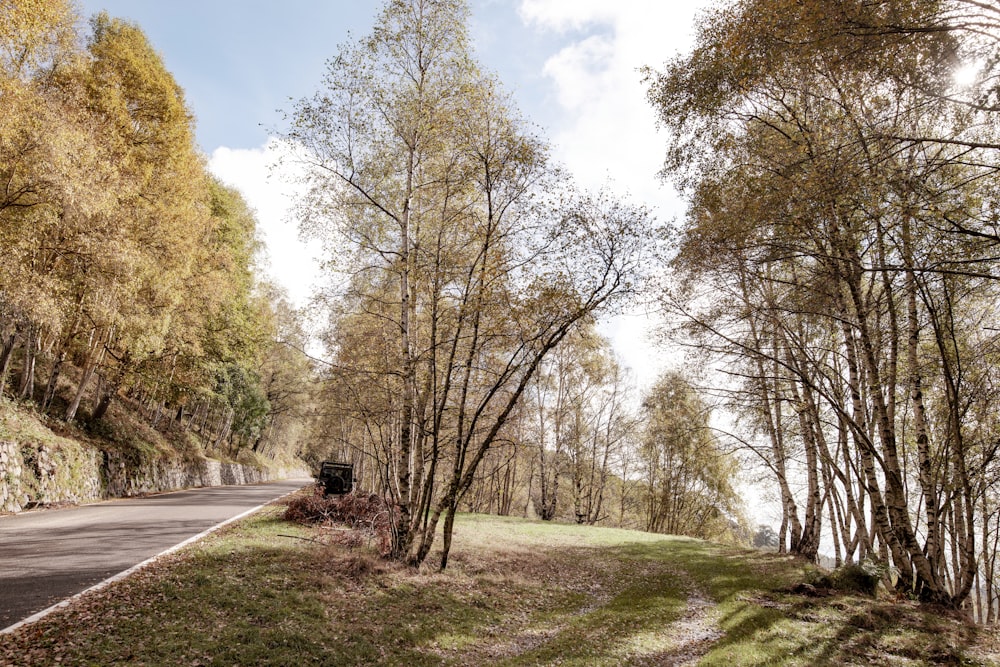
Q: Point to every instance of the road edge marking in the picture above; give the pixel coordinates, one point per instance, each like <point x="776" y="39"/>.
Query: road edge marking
<point x="135" y="568"/>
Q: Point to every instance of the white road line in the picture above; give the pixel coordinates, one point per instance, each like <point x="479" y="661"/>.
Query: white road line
<point x="135" y="568"/>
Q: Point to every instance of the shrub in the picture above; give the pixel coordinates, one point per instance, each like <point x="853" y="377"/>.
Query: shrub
<point x="863" y="578"/>
<point x="311" y="509"/>
<point x="366" y="513"/>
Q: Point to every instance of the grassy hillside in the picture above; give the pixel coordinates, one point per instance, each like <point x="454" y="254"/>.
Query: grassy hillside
<point x="516" y="593"/>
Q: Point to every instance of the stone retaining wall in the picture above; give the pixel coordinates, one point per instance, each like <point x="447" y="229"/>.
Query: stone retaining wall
<point x="37" y="474"/>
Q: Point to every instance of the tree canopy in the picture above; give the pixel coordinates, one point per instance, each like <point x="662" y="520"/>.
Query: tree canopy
<point x="838" y="258"/>
<point x="128" y="270"/>
<point x="467" y="257"/>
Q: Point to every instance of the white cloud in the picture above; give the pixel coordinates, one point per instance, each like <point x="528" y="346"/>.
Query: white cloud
<point x="608" y="129"/>
<point x="566" y="14"/>
<point x="269" y="189"/>
<point x="606" y="133"/>
<point x="589" y="56"/>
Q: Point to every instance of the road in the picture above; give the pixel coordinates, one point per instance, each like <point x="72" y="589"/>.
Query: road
<point x="50" y="555"/>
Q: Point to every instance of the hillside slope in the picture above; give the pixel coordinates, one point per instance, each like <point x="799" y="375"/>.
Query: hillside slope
<point x="46" y="462"/>
<point x="516" y="593"/>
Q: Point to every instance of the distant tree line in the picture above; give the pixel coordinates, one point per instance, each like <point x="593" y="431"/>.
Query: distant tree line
<point x="127" y="270"/>
<point x="580" y="446"/>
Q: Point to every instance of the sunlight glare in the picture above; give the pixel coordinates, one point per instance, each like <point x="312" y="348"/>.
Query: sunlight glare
<point x="966" y="75"/>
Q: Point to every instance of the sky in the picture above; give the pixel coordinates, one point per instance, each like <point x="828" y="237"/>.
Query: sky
<point x="572" y="67"/>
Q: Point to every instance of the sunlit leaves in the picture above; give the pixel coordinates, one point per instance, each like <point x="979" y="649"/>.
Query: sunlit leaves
<point x="821" y="146"/>
<point x="466" y="257"/>
<point x="121" y="253"/>
<point x="34" y="34"/>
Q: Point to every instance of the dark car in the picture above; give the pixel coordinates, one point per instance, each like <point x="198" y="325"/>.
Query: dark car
<point x="336" y="478"/>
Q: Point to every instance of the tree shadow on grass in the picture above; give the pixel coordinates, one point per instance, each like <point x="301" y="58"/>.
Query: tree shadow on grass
<point x="240" y="600"/>
<point x="764" y="623"/>
<point x="298" y="603"/>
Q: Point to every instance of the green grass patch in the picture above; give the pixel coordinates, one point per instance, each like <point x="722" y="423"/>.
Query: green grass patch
<point x="266" y="592"/>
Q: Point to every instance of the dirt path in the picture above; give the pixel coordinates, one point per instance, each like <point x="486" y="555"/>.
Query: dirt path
<point x="694" y="633"/>
<point x="681" y="641"/>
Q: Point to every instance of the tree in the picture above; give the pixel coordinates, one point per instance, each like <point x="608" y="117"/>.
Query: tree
<point x="608" y="423"/>
<point x="122" y="256"/>
<point x="580" y="423"/>
<point x="45" y="159"/>
<point x="287" y="375"/>
<point x="159" y="222"/>
<point x="838" y="191"/>
<point x="688" y="477"/>
<point x="469" y="260"/>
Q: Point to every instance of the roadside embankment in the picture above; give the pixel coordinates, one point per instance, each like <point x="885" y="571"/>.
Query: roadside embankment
<point x="35" y="474"/>
<point x="40" y="468"/>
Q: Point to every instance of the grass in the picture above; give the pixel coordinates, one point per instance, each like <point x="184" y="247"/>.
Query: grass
<point x="265" y="592"/>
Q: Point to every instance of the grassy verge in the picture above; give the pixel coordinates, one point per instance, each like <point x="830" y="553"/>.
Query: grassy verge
<point x="264" y="592"/>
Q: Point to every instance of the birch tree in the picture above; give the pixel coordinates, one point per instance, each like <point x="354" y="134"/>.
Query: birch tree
<point x="842" y="192"/>
<point x="467" y="257"/>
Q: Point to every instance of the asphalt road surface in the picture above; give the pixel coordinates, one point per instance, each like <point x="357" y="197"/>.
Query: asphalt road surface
<point x="48" y="556"/>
